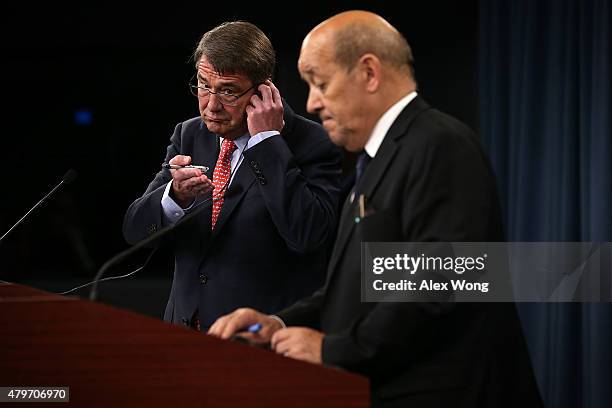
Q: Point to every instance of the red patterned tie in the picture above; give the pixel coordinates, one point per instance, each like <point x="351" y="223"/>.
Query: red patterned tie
<point x="221" y="177"/>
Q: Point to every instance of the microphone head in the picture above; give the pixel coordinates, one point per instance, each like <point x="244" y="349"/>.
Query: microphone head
<point x="69" y="176"/>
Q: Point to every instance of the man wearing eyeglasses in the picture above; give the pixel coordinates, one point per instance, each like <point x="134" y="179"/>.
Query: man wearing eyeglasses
<point x="270" y="195"/>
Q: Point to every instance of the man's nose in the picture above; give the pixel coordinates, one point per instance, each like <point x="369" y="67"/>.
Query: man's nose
<point x="313" y="103"/>
<point x="213" y="102"/>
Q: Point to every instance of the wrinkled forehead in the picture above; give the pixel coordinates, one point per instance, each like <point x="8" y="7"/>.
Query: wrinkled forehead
<point x="206" y="71"/>
<point x="316" y="61"/>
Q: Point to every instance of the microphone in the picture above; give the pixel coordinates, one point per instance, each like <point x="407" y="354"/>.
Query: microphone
<point x="157" y="236"/>
<point x="199" y="207"/>
<point x="67" y="179"/>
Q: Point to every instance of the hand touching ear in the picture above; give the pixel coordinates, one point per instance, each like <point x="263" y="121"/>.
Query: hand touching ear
<point x="265" y="110"/>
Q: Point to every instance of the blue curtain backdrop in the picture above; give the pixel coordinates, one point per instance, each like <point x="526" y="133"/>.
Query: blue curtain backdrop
<point x="545" y="95"/>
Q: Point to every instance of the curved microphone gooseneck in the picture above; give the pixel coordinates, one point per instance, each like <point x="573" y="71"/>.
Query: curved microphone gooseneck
<point x="151" y="239"/>
<point x="67" y="179"/>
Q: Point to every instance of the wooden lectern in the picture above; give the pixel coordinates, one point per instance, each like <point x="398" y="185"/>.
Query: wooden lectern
<point x="110" y="358"/>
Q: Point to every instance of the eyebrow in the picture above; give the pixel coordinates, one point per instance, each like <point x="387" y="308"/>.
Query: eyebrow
<point x="228" y="84"/>
<point x="309" y="72"/>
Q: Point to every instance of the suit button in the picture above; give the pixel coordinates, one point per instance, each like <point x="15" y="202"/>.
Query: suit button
<point x="185" y="321"/>
<point x="152" y="228"/>
<point x="203" y="279"/>
<point x="262" y="180"/>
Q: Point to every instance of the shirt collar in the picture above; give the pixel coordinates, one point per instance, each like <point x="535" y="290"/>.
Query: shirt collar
<point x="240" y="142"/>
<point x="384" y="123"/>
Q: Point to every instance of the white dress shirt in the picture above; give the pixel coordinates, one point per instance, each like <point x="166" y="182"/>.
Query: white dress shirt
<point x="173" y="212"/>
<point x="384" y="123"/>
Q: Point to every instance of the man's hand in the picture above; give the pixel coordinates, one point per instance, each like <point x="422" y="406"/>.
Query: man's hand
<point x="239" y="320"/>
<point x="265" y="111"/>
<point x="300" y="343"/>
<point x="187" y="184"/>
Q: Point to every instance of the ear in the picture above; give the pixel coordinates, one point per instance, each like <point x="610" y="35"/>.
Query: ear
<point x="370" y="71"/>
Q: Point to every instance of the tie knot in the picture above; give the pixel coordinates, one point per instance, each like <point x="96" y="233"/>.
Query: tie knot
<point x="362" y="163"/>
<point x="363" y="159"/>
<point x="227" y="147"/>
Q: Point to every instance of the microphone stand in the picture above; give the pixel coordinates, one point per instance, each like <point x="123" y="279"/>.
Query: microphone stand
<point x="93" y="293"/>
<point x="67" y="179"/>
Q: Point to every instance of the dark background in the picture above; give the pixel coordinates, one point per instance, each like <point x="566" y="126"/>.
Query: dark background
<point x="533" y="77"/>
<point x="128" y="67"/>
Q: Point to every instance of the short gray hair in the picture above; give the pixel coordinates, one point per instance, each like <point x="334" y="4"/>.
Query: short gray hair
<point x="238" y="47"/>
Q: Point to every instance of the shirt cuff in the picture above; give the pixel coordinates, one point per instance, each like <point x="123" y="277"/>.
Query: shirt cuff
<point x="172" y="211"/>
<point x="260" y="137"/>
<point x="278" y="319"/>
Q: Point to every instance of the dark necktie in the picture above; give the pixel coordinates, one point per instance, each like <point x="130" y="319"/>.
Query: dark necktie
<point x="362" y="163"/>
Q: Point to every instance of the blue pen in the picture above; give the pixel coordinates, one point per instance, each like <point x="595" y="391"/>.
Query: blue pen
<point x="254" y="328"/>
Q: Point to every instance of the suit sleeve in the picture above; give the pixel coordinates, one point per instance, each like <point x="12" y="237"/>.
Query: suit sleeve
<point x="145" y="215"/>
<point x="300" y="186"/>
<point x="306" y="312"/>
<point x="448" y="196"/>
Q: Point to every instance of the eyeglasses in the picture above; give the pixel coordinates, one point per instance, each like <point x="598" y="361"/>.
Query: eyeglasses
<point x="226" y="97"/>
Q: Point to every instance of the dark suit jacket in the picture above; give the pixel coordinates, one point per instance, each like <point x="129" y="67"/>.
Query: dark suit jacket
<point x="271" y="242"/>
<point x="429" y="181"/>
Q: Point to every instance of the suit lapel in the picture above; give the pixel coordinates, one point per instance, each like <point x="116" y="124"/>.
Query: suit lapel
<point x="347" y="223"/>
<point x="373" y="176"/>
<point x="371" y="179"/>
<point x="204" y="150"/>
<point x="244" y="178"/>
<point x="242" y="182"/>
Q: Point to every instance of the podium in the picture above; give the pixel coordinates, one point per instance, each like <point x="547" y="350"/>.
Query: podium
<point x="110" y="357"/>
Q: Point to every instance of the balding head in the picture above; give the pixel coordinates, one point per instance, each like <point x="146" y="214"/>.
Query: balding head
<point x="357" y="66"/>
<point x="351" y="34"/>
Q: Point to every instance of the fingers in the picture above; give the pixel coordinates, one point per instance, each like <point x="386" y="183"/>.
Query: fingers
<point x="228" y="325"/>
<point x="288" y="342"/>
<point x="268" y="96"/>
<point x="188" y="184"/>
<point x="183" y="174"/>
<point x="278" y="338"/>
<point x="265" y="111"/>
<point x="266" y="93"/>
<point x="180" y="160"/>
<point x="185" y="183"/>
<point x="276" y="97"/>
<point x="239" y="321"/>
<point x="298" y="342"/>
<point x="256" y="102"/>
<point x="219" y="326"/>
<point x="250" y="109"/>
<point x="200" y="188"/>
<point x="203" y="188"/>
